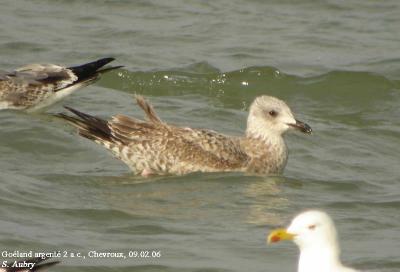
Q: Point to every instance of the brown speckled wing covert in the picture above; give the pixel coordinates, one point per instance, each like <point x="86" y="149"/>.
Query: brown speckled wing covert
<point x="158" y="147"/>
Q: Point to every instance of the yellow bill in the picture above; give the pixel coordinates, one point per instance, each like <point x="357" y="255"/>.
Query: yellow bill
<point x="279" y="235"/>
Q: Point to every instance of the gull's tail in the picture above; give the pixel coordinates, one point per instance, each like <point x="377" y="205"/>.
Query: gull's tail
<point x="90" y="127"/>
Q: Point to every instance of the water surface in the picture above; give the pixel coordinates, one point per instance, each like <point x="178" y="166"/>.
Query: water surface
<point x="201" y="64"/>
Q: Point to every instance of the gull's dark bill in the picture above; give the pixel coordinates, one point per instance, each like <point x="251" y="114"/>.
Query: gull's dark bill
<point x="303" y="127"/>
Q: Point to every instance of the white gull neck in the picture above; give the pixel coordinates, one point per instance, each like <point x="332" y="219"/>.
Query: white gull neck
<point x="322" y="257"/>
<point x="318" y="260"/>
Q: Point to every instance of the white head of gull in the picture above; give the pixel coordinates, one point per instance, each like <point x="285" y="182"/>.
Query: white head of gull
<point x="315" y="234"/>
<point x="270" y="118"/>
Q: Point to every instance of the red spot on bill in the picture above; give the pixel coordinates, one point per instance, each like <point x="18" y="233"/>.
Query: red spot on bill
<point x="275" y="239"/>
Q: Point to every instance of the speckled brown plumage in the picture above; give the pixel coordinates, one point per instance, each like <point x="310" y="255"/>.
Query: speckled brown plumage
<point x="155" y="147"/>
<point x="36" y="86"/>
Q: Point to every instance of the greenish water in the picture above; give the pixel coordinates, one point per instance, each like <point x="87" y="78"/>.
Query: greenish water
<point x="201" y="63"/>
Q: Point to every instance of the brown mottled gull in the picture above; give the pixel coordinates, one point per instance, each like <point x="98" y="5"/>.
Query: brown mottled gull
<point x="35" y="86"/>
<point x="155" y="147"/>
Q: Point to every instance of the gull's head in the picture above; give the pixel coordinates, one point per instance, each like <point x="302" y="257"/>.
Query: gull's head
<point x="315" y="234"/>
<point x="269" y="115"/>
<point x="309" y="230"/>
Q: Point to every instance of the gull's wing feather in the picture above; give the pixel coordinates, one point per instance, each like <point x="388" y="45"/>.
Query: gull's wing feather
<point x="158" y="146"/>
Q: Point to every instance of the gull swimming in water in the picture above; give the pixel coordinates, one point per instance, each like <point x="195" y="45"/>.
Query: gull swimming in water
<point x="35" y="86"/>
<point x="29" y="265"/>
<point x="315" y="234"/>
<point x="155" y="147"/>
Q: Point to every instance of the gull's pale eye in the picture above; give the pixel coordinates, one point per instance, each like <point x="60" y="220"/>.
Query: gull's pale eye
<point x="312" y="227"/>
<point x="273" y="113"/>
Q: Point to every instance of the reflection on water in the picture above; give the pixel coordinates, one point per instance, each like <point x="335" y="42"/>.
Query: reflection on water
<point x="269" y="199"/>
<point x="257" y="200"/>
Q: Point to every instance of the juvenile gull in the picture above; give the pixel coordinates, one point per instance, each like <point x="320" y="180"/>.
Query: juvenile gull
<point x="155" y="147"/>
<point x="315" y="234"/>
<point x="35" y="86"/>
<point x="28" y="265"/>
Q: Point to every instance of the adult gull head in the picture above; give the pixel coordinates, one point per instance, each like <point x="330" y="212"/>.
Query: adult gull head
<point x="315" y="234"/>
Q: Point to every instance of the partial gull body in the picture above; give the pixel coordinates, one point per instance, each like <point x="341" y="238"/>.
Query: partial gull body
<point x="29" y="265"/>
<point x="36" y="86"/>
<point x="155" y="147"/>
<point x="315" y="234"/>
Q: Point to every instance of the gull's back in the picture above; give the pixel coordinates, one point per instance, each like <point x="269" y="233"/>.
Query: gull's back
<point x="156" y="147"/>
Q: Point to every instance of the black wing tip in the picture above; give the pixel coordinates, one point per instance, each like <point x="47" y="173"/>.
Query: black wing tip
<point x="65" y="116"/>
<point x="68" y="108"/>
<point x="82" y="116"/>
<point x="91" y="70"/>
<point x="89" y="126"/>
<point x="107" y="69"/>
<point x="104" y="61"/>
<point x="76" y="112"/>
<point x="94" y="64"/>
<point x="109" y="59"/>
<point x="78" y="116"/>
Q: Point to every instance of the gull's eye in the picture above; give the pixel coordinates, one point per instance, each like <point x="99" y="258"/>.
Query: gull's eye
<point x="312" y="227"/>
<point x="273" y="113"/>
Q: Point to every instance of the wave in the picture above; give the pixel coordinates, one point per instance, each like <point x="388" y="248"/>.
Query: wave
<point x="239" y="87"/>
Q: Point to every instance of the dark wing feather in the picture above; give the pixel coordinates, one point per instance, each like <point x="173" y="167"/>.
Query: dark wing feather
<point x="91" y="127"/>
<point x="91" y="71"/>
